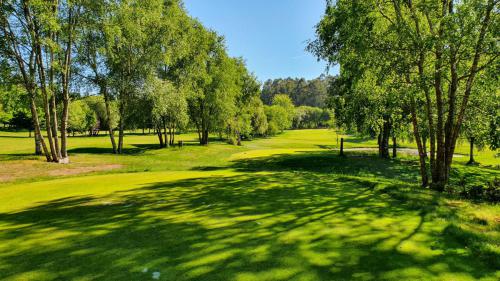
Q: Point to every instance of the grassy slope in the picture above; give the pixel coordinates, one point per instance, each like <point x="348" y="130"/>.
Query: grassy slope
<point x="276" y="209"/>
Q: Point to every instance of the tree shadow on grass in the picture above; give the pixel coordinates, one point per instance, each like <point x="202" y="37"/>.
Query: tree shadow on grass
<point x="108" y="150"/>
<point x="331" y="163"/>
<point x="281" y="225"/>
<point x="16" y="137"/>
<point x="18" y="156"/>
<point x="357" y="139"/>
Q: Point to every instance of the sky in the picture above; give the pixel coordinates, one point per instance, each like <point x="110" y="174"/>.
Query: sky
<point x="271" y="35"/>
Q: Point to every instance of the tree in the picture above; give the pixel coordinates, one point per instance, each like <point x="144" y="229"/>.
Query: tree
<point x="4" y="116"/>
<point x="15" y="100"/>
<point x="98" y="106"/>
<point x="92" y="58"/>
<point x="39" y="38"/>
<point x="81" y="118"/>
<point x="249" y="118"/>
<point x="169" y="109"/>
<point x="280" y="114"/>
<point x="436" y="49"/>
<point x="480" y="115"/>
<point x="307" y="117"/>
<point x="259" y="119"/>
<point x="21" y="120"/>
<point x="302" y="92"/>
<point x="212" y="99"/>
<point x="134" y="37"/>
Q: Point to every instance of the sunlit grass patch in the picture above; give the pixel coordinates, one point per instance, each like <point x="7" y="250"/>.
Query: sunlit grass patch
<point x="264" y="211"/>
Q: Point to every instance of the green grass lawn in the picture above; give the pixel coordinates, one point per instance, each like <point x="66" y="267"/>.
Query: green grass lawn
<point x="282" y="208"/>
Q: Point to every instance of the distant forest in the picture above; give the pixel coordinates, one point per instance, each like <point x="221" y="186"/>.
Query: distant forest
<point x="302" y="92"/>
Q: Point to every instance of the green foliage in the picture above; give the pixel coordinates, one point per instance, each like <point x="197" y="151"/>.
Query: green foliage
<point x="21" y="120"/>
<point x="169" y="103"/>
<point x="418" y="58"/>
<point x="277" y="119"/>
<point x="259" y="121"/>
<point x="480" y="122"/>
<point x="4" y="116"/>
<point x="249" y="119"/>
<point x="217" y="84"/>
<point x="280" y="114"/>
<point x="81" y="117"/>
<point x="277" y="209"/>
<point x="307" y="117"/>
<point x="494" y="133"/>
<point x="283" y="101"/>
<point x="13" y="103"/>
<point x="302" y="92"/>
<point x="97" y="105"/>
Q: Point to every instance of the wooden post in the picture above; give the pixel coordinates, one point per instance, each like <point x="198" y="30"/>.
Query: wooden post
<point x="342" y="147"/>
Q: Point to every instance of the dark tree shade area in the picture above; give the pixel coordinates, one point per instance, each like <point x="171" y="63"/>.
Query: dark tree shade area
<point x="302" y="92"/>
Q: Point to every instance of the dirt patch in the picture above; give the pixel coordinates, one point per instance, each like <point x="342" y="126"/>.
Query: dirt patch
<point x="83" y="170"/>
<point x="12" y="170"/>
<point x="6" y="178"/>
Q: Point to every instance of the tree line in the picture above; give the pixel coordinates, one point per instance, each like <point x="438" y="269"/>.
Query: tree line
<point x="425" y="67"/>
<point x="147" y="64"/>
<point x="313" y="93"/>
<point x="139" y="56"/>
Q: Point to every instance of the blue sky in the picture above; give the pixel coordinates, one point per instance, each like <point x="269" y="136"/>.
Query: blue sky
<point x="270" y="34"/>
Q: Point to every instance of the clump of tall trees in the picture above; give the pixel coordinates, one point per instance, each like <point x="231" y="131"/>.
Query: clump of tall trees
<point x="37" y="41"/>
<point x="151" y="64"/>
<point x="431" y="62"/>
<point x="313" y="93"/>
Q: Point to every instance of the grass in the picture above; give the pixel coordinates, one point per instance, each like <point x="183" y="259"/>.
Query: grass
<point x="284" y="208"/>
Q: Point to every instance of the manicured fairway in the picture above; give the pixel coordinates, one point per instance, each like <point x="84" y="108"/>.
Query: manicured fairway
<point x="285" y="208"/>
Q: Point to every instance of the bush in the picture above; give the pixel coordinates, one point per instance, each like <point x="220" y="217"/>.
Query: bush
<point x="492" y="193"/>
<point x="488" y="191"/>
<point x="307" y="117"/>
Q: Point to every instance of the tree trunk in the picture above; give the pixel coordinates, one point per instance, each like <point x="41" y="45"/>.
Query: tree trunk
<point x="48" y="128"/>
<point x="104" y="91"/>
<point x="121" y="127"/>
<point x="200" y="138"/>
<point x="421" y="154"/>
<point x="38" y="134"/>
<point x="384" y="140"/>
<point x="438" y="172"/>
<point x="55" y="127"/>
<point x="66" y="78"/>
<point x="428" y="111"/>
<point x="172" y="137"/>
<point x="38" y="146"/>
<point x="394" y="147"/>
<point x="471" y="153"/>
<point x="46" y="101"/>
<point x="167" y="141"/>
<point x="342" y="147"/>
<point x="204" y="137"/>
<point x="120" y="138"/>
<point x="64" y="128"/>
<point x="424" y="144"/>
<point x="160" y="136"/>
